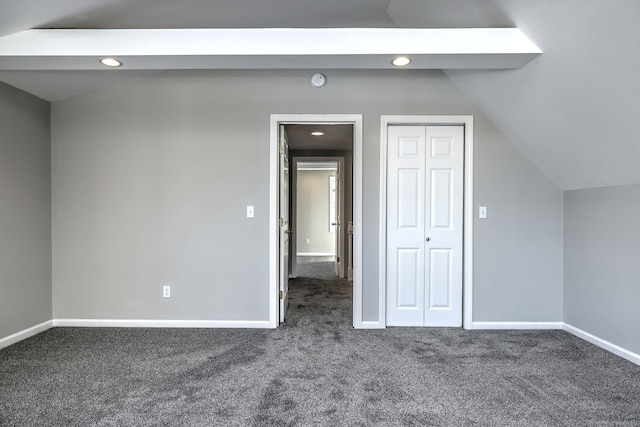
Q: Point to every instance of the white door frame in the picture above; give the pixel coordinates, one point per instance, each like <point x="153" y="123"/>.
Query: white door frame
<point x="467" y="263"/>
<point x="293" y="220"/>
<point x="285" y="119"/>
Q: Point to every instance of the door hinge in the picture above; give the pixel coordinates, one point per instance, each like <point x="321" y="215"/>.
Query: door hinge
<point x="282" y="149"/>
<point x="338" y="259"/>
<point x="281" y="222"/>
<point x="281" y="295"/>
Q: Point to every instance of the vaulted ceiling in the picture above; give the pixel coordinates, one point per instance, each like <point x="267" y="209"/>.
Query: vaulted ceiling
<point x="571" y="110"/>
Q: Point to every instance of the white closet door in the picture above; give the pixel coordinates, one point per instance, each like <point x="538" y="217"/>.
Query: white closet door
<point x="443" y="249"/>
<point x="425" y="170"/>
<point x="405" y="225"/>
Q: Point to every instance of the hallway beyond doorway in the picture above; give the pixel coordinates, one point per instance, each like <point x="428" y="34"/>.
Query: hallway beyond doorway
<point x="318" y="296"/>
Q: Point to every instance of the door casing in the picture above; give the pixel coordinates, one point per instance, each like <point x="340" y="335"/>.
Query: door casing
<point x="467" y="263"/>
<point x="295" y="160"/>
<point x="274" y="254"/>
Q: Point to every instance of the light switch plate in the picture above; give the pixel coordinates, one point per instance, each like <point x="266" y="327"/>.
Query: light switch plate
<point x="482" y="212"/>
<point x="250" y="212"/>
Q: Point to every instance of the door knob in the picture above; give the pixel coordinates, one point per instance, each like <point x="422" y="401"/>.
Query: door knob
<point x="427" y="238"/>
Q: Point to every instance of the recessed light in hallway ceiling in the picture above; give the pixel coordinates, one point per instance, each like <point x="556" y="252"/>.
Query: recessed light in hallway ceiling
<point x="110" y="62"/>
<point x="401" y="61"/>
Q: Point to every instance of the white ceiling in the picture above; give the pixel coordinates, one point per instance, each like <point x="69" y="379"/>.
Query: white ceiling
<point x="570" y="110"/>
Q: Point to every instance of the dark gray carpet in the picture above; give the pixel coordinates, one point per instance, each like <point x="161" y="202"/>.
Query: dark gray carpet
<point x="314" y="370"/>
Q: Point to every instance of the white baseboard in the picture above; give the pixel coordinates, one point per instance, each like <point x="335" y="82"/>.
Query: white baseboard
<point x="262" y="324"/>
<point x="368" y="324"/>
<point x="315" y="254"/>
<point x="615" y="349"/>
<point x="140" y="323"/>
<point x="516" y="325"/>
<point x="27" y="333"/>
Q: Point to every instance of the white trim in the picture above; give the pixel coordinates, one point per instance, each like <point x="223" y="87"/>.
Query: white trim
<point x="157" y="323"/>
<point x="467" y="277"/>
<point x="27" y="333"/>
<point x="516" y="325"/>
<point x="316" y="254"/>
<point x="357" y="223"/>
<point x="606" y="345"/>
<point x="275" y="121"/>
<point x="273" y="222"/>
<point x="368" y="324"/>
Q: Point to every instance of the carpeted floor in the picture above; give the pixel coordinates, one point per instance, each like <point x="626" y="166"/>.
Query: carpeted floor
<point x="315" y="370"/>
<point x="316" y="267"/>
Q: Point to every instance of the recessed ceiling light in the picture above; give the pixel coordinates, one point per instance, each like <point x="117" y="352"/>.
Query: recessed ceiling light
<point x="401" y="61"/>
<point x="110" y="62"/>
<point x="317" y="133"/>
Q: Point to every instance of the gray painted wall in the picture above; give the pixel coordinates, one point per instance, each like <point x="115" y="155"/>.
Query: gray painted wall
<point x="151" y="179"/>
<point x="313" y="212"/>
<point x="25" y="211"/>
<point x="602" y="272"/>
<point x="518" y="247"/>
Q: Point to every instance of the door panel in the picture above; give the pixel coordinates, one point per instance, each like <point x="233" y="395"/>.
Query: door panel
<point x="285" y="232"/>
<point x="445" y="173"/>
<point x="440" y="200"/>
<point x="405" y="230"/>
<point x="408" y="278"/>
<point x="408" y="198"/>
<point x="440" y="279"/>
<point x="338" y="266"/>
<point x="424" y="225"/>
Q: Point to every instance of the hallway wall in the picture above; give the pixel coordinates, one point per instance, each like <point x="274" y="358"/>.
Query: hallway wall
<point x="313" y="213"/>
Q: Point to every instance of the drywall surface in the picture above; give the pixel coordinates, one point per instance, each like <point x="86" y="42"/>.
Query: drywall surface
<point x="601" y="271"/>
<point x="25" y="211"/>
<point x="583" y="90"/>
<point x="313" y="213"/>
<point x="151" y="180"/>
<point x="518" y="247"/>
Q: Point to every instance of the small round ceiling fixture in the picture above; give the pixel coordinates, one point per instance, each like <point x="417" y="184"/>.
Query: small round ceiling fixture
<point x="317" y="133"/>
<point x="401" y="61"/>
<point x="318" y="80"/>
<point x="110" y="62"/>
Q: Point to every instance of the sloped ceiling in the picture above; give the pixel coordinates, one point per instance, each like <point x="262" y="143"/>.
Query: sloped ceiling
<point x="573" y="109"/>
<point x="222" y="14"/>
<point x="570" y="110"/>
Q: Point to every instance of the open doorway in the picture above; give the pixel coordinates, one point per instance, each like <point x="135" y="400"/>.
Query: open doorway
<point x="319" y="214"/>
<point x="329" y="148"/>
<point x="319" y="217"/>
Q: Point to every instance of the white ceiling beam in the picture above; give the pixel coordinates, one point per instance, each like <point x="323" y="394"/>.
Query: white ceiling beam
<point x="340" y="48"/>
